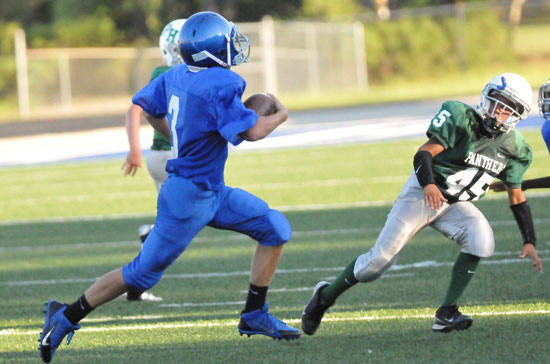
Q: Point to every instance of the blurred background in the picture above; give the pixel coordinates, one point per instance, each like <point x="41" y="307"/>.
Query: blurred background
<point x="65" y="58"/>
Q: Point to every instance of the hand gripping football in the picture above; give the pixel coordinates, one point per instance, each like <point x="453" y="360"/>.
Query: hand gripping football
<point x="262" y="103"/>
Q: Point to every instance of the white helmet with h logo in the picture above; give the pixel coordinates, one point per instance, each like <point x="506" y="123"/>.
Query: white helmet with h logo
<point x="168" y="43"/>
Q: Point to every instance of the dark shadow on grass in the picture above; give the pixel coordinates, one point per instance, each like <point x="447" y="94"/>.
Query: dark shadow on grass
<point x="490" y="340"/>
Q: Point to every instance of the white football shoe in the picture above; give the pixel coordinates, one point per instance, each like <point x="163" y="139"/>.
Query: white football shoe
<point x="144" y="297"/>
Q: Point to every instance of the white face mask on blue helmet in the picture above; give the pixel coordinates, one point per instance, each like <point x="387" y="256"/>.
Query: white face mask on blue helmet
<point x="518" y="95"/>
<point x="168" y="43"/>
<point x="544" y="100"/>
<point x="207" y="39"/>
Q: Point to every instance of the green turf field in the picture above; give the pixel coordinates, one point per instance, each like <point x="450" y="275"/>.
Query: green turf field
<point x="65" y="225"/>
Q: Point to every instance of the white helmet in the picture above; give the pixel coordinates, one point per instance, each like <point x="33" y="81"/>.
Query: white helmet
<point x="510" y="93"/>
<point x="169" y="42"/>
<point x="544" y="100"/>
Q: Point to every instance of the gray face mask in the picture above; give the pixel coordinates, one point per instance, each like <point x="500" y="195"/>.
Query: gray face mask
<point x="493" y="108"/>
<point x="544" y="100"/>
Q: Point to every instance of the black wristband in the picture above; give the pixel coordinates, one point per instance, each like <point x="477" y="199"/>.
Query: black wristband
<point x="522" y="213"/>
<point x="423" y="168"/>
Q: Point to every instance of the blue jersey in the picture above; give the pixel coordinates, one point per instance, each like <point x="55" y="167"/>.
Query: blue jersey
<point x="204" y="111"/>
<point x="546" y="133"/>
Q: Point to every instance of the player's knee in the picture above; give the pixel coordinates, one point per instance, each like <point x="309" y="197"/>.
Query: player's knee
<point x="481" y="250"/>
<point x="146" y="270"/>
<point x="367" y="275"/>
<point x="372" y="270"/>
<point x="478" y="240"/>
<point x="139" y="280"/>
<point x="280" y="230"/>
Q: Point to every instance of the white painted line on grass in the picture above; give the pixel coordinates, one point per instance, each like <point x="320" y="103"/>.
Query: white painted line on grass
<point x="396" y="317"/>
<point x="396" y="267"/>
<point x="301" y="289"/>
<point x="125" y="318"/>
<point x="91" y="245"/>
<point x="177" y="325"/>
<point x="305" y="207"/>
<point x="202" y="304"/>
<point x="384" y="276"/>
<point x="230" y="237"/>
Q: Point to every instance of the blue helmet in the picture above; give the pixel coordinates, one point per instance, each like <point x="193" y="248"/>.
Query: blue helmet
<point x="207" y="39"/>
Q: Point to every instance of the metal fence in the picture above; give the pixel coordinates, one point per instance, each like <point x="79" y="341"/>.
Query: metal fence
<point x="286" y="57"/>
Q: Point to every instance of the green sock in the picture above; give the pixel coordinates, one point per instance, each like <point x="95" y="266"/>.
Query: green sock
<point x="345" y="280"/>
<point x="463" y="271"/>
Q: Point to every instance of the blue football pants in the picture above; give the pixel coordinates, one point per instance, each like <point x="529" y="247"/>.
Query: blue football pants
<point x="183" y="210"/>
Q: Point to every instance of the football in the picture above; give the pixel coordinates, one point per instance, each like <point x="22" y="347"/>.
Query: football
<point x="262" y="103"/>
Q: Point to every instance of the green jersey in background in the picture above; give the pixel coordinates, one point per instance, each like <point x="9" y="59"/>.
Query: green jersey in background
<point x="159" y="142"/>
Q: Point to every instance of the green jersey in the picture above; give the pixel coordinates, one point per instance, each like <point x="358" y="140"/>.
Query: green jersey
<point x="159" y="142"/>
<point x="471" y="159"/>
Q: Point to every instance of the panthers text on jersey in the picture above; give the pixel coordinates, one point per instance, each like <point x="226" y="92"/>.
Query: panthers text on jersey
<point x="471" y="159"/>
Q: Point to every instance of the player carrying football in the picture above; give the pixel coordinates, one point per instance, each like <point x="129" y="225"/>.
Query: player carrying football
<point x="466" y="150"/>
<point x="197" y="105"/>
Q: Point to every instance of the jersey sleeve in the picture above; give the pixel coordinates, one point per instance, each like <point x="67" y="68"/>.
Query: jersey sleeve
<point x="546" y="133"/>
<point x="512" y="174"/>
<point x="152" y="98"/>
<point x="232" y="117"/>
<point x="448" y="125"/>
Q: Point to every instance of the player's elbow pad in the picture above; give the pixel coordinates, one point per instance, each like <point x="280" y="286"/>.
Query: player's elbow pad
<point x="423" y="168"/>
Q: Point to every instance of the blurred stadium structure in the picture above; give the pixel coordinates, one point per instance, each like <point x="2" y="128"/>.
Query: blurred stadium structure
<point x="287" y="57"/>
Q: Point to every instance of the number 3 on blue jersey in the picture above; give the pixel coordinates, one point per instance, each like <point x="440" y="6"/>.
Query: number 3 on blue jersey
<point x="440" y="118"/>
<point x="173" y="111"/>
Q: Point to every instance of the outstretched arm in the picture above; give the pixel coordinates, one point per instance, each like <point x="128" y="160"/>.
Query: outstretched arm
<point x="266" y="124"/>
<point x="522" y="214"/>
<point x="133" y="159"/>
<point x="527" y="184"/>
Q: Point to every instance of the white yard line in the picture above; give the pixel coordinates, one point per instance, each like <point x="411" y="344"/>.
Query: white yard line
<point x="396" y="267"/>
<point x="283" y="208"/>
<point x="230" y="237"/>
<point x="177" y="325"/>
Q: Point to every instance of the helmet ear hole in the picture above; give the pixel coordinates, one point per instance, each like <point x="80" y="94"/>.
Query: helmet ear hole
<point x="520" y="109"/>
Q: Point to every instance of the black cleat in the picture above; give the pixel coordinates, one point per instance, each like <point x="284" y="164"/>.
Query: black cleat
<point x="449" y="318"/>
<point x="314" y="311"/>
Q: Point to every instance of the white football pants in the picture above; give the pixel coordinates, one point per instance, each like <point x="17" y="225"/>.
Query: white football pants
<point x="156" y="165"/>
<point x="460" y="221"/>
